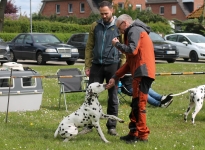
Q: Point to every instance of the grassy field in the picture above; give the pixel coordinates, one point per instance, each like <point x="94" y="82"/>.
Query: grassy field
<point x="34" y="130"/>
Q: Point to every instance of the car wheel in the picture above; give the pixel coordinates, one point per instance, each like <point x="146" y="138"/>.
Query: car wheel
<point x="186" y="59"/>
<point x="12" y="57"/>
<point x="70" y="62"/>
<point x="193" y="56"/>
<point x="171" y="60"/>
<point x="39" y="59"/>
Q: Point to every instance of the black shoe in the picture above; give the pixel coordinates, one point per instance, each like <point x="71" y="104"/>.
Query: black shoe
<point x="129" y="139"/>
<point x="166" y="98"/>
<point x="112" y="132"/>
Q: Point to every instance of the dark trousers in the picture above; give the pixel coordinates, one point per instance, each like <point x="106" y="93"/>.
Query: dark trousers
<point x="101" y="73"/>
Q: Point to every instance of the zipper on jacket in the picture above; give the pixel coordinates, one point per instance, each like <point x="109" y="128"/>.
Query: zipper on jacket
<point x="103" y="46"/>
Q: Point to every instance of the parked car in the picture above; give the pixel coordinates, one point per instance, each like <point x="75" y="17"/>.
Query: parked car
<point x="162" y="49"/>
<point x="79" y="41"/>
<point x="41" y="47"/>
<point x="4" y="52"/>
<point x="190" y="45"/>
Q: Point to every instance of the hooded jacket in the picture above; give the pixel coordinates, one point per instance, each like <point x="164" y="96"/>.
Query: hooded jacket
<point x="99" y="49"/>
<point x="139" y="50"/>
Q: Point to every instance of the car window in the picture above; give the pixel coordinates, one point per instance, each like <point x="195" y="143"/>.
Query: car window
<point x="196" y="38"/>
<point x="19" y="39"/>
<point x="86" y="38"/>
<point x="47" y="38"/>
<point x="28" y="39"/>
<point x="182" y="38"/>
<point x="78" y="38"/>
<point x="155" y="37"/>
<point x="172" y="38"/>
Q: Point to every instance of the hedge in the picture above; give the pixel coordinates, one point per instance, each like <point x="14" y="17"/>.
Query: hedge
<point x="9" y="36"/>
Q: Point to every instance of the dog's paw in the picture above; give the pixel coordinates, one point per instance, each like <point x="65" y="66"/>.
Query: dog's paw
<point x="121" y="121"/>
<point x="107" y="142"/>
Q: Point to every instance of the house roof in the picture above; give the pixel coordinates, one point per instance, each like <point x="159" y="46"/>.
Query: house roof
<point x="197" y="13"/>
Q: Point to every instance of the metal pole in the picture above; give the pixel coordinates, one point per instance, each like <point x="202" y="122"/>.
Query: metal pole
<point x="30" y="17"/>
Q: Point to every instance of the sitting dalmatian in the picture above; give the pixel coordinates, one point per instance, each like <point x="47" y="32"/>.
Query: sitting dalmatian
<point x="88" y="114"/>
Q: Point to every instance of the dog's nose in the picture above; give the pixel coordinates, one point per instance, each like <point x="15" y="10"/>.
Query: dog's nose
<point x="104" y="85"/>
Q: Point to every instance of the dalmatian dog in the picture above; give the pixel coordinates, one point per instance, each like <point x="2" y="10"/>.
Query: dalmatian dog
<point x="196" y="99"/>
<point x="89" y="114"/>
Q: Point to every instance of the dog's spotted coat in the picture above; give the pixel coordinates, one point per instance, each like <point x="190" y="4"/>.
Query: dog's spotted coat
<point x="196" y="99"/>
<point x="89" y="114"/>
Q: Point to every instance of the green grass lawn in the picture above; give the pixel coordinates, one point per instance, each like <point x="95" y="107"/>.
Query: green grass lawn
<point x="34" y="130"/>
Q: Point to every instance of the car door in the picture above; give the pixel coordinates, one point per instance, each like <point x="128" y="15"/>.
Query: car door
<point x="28" y="49"/>
<point x="79" y="42"/>
<point x="17" y="46"/>
<point x="184" y="49"/>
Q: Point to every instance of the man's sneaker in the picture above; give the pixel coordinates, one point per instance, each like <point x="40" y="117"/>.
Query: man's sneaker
<point x="112" y="132"/>
<point x="132" y="139"/>
<point x="167" y="104"/>
<point x="85" y="130"/>
<point x="166" y="98"/>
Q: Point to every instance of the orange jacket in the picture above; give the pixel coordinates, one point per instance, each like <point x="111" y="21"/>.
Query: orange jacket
<point x="139" y="50"/>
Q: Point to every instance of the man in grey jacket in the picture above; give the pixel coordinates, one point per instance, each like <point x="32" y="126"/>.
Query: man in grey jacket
<point x="102" y="59"/>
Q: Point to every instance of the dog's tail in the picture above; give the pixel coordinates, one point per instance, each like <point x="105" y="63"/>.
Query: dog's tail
<point x="56" y="133"/>
<point x="189" y="90"/>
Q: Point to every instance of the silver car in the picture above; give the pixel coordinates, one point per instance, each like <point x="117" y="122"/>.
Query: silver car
<point x="190" y="45"/>
<point x="4" y="52"/>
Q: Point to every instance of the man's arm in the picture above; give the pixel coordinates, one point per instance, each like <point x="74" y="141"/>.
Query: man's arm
<point x="89" y="47"/>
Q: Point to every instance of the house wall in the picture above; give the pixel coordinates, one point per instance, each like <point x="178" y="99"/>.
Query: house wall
<point x="133" y="2"/>
<point x="50" y="8"/>
<point x="198" y="3"/>
<point x="168" y="11"/>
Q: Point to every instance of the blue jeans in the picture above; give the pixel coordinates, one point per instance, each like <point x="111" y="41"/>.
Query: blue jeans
<point x="153" y="97"/>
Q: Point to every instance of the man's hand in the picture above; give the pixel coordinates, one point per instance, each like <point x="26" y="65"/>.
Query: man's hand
<point x="110" y="84"/>
<point x="87" y="72"/>
<point x="114" y="41"/>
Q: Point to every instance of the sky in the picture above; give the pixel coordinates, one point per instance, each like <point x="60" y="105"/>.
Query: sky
<point x="24" y="6"/>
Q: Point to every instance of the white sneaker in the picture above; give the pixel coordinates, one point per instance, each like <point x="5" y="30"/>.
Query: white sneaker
<point x="167" y="104"/>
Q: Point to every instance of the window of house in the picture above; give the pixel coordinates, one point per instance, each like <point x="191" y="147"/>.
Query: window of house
<point x="70" y="8"/>
<point x="120" y="5"/>
<point x="82" y="7"/>
<point x="161" y="10"/>
<point x="139" y="7"/>
<point x="57" y="9"/>
<point x="174" y="9"/>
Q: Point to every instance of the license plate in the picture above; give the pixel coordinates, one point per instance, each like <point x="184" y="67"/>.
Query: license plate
<point x="65" y="55"/>
<point x="1" y="56"/>
<point x="170" y="52"/>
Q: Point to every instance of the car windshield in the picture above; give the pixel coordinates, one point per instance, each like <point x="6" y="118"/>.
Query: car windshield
<point x="155" y="37"/>
<point x="45" y="38"/>
<point x="196" y="38"/>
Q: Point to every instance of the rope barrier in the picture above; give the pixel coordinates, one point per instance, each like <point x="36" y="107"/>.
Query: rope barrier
<point x="72" y="76"/>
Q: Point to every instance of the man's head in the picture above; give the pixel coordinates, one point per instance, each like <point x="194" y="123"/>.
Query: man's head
<point x="123" y="22"/>
<point x="106" y="11"/>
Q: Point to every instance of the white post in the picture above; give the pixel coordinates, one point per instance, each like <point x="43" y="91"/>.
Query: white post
<point x="30" y="17"/>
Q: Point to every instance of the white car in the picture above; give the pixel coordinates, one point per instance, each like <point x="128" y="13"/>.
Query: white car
<point x="190" y="45"/>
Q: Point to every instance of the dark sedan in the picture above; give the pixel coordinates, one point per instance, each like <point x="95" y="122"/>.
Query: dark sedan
<point x="41" y="47"/>
<point x="162" y="49"/>
<point x="4" y="52"/>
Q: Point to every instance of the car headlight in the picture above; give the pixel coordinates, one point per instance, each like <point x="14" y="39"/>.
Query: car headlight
<point x="7" y="48"/>
<point x="50" y="50"/>
<point x="74" y="50"/>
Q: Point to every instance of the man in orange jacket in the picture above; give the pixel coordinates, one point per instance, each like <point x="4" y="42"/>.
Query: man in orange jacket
<point x="140" y="61"/>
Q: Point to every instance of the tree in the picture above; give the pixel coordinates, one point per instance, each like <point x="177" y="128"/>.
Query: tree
<point x="10" y="8"/>
<point x="2" y="9"/>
